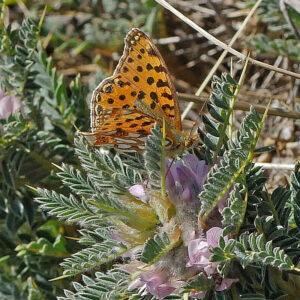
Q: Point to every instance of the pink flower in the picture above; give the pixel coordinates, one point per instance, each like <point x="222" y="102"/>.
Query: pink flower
<point x="198" y="295"/>
<point x="115" y="236"/>
<point x="8" y="105"/>
<point x="213" y="236"/>
<point x="155" y="277"/>
<point x="138" y="191"/>
<point x="199" y="255"/>
<point x="198" y="249"/>
<point x="135" y="284"/>
<point x="133" y="266"/>
<point x="157" y="283"/>
<point x="225" y="284"/>
<point x="185" y="179"/>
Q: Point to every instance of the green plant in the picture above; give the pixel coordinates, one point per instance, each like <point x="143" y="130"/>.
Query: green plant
<point x="286" y="43"/>
<point x="41" y="135"/>
<point x="150" y="241"/>
<point x="138" y="221"/>
<point x="29" y="144"/>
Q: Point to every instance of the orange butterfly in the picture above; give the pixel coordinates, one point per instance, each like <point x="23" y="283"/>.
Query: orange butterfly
<point x="125" y="106"/>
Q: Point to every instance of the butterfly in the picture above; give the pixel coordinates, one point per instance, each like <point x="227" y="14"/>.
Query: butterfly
<point x="140" y="93"/>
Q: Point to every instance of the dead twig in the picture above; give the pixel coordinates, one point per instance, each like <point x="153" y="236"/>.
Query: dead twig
<point x="269" y="166"/>
<point x="242" y="105"/>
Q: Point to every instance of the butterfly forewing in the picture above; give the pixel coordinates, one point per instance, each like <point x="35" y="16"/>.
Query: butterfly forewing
<point x="145" y="67"/>
<point x="125" y="106"/>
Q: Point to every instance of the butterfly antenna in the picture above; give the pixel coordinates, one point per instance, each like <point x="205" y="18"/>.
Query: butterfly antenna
<point x="170" y="167"/>
<point x="193" y="127"/>
<point x="77" y="129"/>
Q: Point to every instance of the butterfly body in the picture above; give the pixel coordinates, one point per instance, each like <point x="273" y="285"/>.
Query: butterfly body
<point x="140" y="93"/>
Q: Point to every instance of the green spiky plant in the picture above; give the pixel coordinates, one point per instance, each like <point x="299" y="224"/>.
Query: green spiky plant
<point x="31" y="142"/>
<point x="146" y="226"/>
<point x="282" y="34"/>
<point x="32" y="245"/>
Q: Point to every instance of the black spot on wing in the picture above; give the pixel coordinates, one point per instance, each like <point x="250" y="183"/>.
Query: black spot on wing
<point x="167" y="106"/>
<point x="161" y="83"/>
<point x="150" y="80"/>
<point x="151" y="52"/>
<point x="160" y="69"/>
<point x="121" y="83"/>
<point x="147" y="123"/>
<point x="108" y="88"/>
<point x="142" y="131"/>
<point x="149" y="67"/>
<point x="99" y="109"/>
<point x="154" y="97"/>
<point x="141" y="95"/>
<point x="166" y="95"/>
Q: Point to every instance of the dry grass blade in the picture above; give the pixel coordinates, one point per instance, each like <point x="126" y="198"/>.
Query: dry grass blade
<point x="222" y="56"/>
<point x="241" y="105"/>
<point x="223" y="45"/>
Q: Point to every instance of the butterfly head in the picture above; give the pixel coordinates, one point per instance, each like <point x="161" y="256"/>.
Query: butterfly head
<point x="179" y="142"/>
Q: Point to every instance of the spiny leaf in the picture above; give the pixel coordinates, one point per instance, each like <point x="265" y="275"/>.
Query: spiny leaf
<point x="156" y="247"/>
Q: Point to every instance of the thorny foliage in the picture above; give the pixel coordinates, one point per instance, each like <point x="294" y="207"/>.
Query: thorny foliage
<point x="263" y="227"/>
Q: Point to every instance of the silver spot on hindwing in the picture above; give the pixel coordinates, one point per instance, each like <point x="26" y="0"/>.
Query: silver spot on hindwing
<point x="123" y="146"/>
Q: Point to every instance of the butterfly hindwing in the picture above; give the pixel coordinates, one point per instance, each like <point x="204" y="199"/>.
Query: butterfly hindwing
<point x="117" y="127"/>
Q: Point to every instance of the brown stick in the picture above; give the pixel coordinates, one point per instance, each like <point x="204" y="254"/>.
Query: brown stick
<point x="242" y="105"/>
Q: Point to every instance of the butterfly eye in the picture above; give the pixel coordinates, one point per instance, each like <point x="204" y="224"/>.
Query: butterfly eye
<point x="169" y="143"/>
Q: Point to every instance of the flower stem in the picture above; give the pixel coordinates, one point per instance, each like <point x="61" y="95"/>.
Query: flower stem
<point x="162" y="162"/>
<point x="230" y="111"/>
